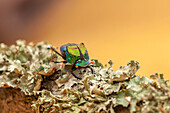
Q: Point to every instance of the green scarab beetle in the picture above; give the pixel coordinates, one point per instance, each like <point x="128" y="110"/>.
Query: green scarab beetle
<point x="75" y="54"/>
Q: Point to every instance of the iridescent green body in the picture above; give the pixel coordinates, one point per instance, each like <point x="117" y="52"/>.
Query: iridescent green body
<point x="71" y="54"/>
<point x="75" y="54"/>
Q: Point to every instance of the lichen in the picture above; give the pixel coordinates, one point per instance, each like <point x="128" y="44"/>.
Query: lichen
<point x="30" y="68"/>
<point x="19" y="64"/>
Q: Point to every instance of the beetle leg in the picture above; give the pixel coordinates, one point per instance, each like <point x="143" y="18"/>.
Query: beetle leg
<point x="57" y="52"/>
<point x="92" y="70"/>
<point x="73" y="69"/>
<point x="59" y="61"/>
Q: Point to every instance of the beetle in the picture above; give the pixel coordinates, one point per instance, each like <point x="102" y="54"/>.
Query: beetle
<point x="75" y="54"/>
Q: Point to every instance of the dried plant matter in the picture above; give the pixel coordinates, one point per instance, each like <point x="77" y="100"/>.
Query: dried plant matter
<point x="54" y="89"/>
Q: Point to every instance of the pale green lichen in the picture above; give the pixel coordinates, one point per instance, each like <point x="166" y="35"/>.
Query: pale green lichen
<point x="19" y="62"/>
<point x="30" y="67"/>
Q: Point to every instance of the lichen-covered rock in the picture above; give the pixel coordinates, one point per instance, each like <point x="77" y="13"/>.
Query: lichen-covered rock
<point x="20" y="63"/>
<point x="30" y="68"/>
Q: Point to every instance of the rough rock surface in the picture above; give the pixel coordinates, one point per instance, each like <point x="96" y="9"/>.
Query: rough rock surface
<point x="14" y="101"/>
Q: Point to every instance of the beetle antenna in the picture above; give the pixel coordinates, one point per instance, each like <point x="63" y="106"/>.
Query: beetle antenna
<point x="81" y="55"/>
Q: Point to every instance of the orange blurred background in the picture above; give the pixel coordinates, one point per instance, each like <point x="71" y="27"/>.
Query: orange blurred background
<point x="116" y="30"/>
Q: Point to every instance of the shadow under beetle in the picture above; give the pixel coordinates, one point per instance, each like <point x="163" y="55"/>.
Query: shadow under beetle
<point x="75" y="54"/>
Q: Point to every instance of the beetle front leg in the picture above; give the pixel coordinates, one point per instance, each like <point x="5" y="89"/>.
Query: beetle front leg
<point x="92" y="70"/>
<point x="73" y="69"/>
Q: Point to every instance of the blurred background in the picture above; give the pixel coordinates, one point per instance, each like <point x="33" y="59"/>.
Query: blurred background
<point x="117" y="30"/>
